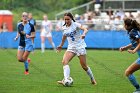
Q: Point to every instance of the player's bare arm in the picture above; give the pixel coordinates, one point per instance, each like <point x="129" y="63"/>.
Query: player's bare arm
<point x="84" y="33"/>
<point x="61" y="44"/>
<point x="136" y="49"/>
<point x="125" y="47"/>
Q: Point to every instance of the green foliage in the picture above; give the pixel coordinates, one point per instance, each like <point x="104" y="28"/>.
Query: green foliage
<point x="38" y="7"/>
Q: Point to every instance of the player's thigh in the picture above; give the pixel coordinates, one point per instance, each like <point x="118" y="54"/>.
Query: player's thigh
<point x="43" y="39"/>
<point x="132" y="68"/>
<point x="20" y="52"/>
<point x="67" y="57"/>
<point x="25" y="55"/>
<point x="50" y="39"/>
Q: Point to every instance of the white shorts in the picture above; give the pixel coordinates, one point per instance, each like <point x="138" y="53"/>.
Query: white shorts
<point x="78" y="52"/>
<point x="45" y="33"/>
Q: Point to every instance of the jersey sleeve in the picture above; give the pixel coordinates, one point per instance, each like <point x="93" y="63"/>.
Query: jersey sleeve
<point x="135" y="35"/>
<point x="78" y="24"/>
<point x="19" y="28"/>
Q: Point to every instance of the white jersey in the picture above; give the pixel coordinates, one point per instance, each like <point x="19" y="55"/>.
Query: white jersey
<point x="46" y="25"/>
<point x="74" y="36"/>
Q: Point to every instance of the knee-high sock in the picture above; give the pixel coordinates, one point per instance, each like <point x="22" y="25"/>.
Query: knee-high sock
<point x="26" y="65"/>
<point x="42" y="47"/>
<point x="90" y="74"/>
<point x="66" y="70"/>
<point x="133" y="81"/>
<point x="53" y="45"/>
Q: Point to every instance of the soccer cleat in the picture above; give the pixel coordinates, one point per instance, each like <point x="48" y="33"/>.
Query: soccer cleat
<point x="60" y="82"/>
<point x="94" y="82"/>
<point x="29" y="60"/>
<point x="26" y="73"/>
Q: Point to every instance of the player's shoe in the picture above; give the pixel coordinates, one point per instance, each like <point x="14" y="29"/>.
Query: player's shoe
<point x="29" y="60"/>
<point x="26" y="73"/>
<point x="137" y="91"/>
<point x="93" y="82"/>
<point x="60" y="82"/>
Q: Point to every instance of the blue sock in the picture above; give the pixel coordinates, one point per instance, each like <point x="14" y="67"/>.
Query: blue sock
<point x="26" y="65"/>
<point x="133" y="81"/>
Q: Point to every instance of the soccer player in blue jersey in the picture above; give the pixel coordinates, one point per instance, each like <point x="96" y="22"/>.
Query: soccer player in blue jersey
<point x="133" y="29"/>
<point x="31" y="20"/>
<point x="27" y="33"/>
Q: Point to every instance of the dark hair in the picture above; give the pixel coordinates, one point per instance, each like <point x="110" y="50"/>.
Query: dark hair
<point x="131" y="24"/>
<point x="70" y="15"/>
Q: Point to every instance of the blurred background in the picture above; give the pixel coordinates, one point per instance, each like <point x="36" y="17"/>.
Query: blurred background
<point x="101" y="17"/>
<point x="94" y="12"/>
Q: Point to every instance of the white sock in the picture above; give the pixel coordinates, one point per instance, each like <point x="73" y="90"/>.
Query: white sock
<point x="66" y="70"/>
<point x="89" y="72"/>
<point x="43" y="47"/>
<point x="53" y="45"/>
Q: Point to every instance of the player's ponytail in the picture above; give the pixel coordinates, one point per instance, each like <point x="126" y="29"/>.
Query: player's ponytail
<point x="135" y="24"/>
<point x="131" y="24"/>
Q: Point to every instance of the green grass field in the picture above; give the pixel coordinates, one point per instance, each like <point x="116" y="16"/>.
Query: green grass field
<point x="108" y="67"/>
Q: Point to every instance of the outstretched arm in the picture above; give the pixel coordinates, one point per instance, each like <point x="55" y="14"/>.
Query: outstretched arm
<point x="84" y="33"/>
<point x="136" y="49"/>
<point x="17" y="36"/>
<point x="61" y="44"/>
<point x="125" y="47"/>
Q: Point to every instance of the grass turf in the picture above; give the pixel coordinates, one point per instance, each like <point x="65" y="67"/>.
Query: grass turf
<point x="108" y="67"/>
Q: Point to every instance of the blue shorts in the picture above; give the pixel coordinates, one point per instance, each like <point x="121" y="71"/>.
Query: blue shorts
<point x="138" y="61"/>
<point x="21" y="48"/>
<point x="29" y="48"/>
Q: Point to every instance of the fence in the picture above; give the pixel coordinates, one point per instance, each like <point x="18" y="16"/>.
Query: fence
<point x="94" y="39"/>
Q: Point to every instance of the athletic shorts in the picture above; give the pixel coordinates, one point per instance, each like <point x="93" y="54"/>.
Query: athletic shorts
<point x="45" y="33"/>
<point x="29" y="48"/>
<point x="78" y="52"/>
<point x="138" y="61"/>
<point x="21" y="48"/>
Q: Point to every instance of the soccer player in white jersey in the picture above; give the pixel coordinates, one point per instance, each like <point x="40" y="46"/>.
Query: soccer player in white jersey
<point x="46" y="29"/>
<point x="76" y="46"/>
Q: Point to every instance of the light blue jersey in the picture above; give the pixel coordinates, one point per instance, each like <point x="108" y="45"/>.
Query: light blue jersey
<point x="134" y="35"/>
<point x="32" y="21"/>
<point x="28" y="28"/>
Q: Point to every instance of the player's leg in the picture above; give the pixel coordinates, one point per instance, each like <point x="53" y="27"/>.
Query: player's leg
<point x="83" y="63"/>
<point x="26" y="63"/>
<point x="129" y="73"/>
<point x="51" y="42"/>
<point x="43" y="43"/>
<point x="66" y="69"/>
<point x="20" y="53"/>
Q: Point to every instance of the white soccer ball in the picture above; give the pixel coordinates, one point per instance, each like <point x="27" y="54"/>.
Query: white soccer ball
<point x="68" y="81"/>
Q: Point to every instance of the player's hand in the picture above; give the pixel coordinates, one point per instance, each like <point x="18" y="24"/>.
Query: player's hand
<point x="83" y="36"/>
<point x="58" y="49"/>
<point x="131" y="51"/>
<point x="16" y="38"/>
<point x="27" y="36"/>
<point x="122" y="49"/>
<point x="22" y="32"/>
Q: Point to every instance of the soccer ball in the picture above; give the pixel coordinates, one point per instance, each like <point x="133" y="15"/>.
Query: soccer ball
<point x="68" y="82"/>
